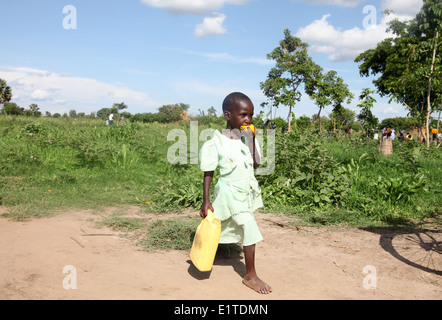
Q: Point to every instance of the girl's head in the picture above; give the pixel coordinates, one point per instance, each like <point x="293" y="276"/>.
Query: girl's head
<point x="238" y="110"/>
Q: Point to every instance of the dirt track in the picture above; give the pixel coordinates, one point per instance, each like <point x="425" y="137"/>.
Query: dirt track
<point x="309" y="263"/>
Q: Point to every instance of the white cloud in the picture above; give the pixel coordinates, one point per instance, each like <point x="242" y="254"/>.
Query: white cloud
<point x="212" y="25"/>
<point x="60" y="93"/>
<point x="216" y="89"/>
<point x="194" y="7"/>
<point x="40" y="94"/>
<point x="391" y="110"/>
<point x="213" y="22"/>
<point x="341" y="3"/>
<point x="406" y="9"/>
<point x="343" y="45"/>
<point x="227" y="57"/>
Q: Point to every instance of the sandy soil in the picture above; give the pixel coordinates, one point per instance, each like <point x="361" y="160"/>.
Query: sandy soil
<point x="309" y="263"/>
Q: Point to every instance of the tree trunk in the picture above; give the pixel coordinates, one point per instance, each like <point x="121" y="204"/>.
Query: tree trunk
<point x="319" y="117"/>
<point x="290" y="119"/>
<point x="438" y="122"/>
<point x="430" y="79"/>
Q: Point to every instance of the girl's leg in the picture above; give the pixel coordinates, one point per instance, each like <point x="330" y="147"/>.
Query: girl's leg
<point x="251" y="279"/>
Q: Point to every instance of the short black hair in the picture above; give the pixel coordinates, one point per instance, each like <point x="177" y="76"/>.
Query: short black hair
<point x="232" y="98"/>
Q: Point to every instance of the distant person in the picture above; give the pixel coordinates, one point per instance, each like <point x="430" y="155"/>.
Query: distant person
<point x="111" y="119"/>
<point x="376" y="135"/>
<point x="434" y="132"/>
<point x="389" y="131"/>
<point x="409" y="138"/>
<point x="236" y="153"/>
<point x="402" y="135"/>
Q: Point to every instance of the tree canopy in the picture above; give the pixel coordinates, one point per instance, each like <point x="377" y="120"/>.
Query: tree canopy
<point x="5" y="92"/>
<point x="328" y="89"/>
<point x="293" y="67"/>
<point x="409" y="63"/>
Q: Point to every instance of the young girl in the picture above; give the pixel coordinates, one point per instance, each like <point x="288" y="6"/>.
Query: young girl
<point x="237" y="195"/>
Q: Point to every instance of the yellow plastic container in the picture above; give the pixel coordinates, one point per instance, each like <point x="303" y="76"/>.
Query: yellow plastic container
<point x="205" y="243"/>
<point x="251" y="127"/>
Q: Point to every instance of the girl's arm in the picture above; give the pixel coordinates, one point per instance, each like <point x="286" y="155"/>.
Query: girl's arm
<point x="255" y="155"/>
<point x="208" y="178"/>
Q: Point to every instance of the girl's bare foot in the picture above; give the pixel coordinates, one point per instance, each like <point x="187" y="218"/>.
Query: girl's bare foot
<point x="257" y="285"/>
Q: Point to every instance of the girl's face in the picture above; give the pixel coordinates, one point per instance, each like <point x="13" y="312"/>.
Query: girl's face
<point x="240" y="114"/>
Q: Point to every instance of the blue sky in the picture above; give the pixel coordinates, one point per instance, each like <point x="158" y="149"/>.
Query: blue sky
<point x="148" y="53"/>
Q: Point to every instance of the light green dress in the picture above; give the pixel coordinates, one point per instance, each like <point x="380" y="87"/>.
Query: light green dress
<point x="237" y="194"/>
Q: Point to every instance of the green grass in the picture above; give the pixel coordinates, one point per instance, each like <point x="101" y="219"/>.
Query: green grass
<point x="48" y="165"/>
<point x="167" y="234"/>
<point x="79" y="164"/>
<point x="170" y="234"/>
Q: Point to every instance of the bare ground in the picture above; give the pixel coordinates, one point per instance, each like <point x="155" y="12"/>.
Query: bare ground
<point x="307" y="263"/>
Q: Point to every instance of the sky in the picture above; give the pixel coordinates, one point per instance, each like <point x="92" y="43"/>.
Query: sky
<point x="88" y="55"/>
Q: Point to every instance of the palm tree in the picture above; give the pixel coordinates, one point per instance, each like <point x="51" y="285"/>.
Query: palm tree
<point x="5" y="92"/>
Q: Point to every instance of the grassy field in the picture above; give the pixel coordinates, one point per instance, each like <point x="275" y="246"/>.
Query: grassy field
<point x="48" y="165"/>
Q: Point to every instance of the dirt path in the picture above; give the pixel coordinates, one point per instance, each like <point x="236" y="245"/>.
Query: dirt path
<point x="310" y="263"/>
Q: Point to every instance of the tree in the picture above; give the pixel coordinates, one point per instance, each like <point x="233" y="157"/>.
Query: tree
<point x="184" y="106"/>
<point x="293" y="67"/>
<point x="304" y="122"/>
<point x="72" y="114"/>
<point x="104" y="113"/>
<point x="5" y="92"/>
<point x="343" y="117"/>
<point x="12" y="109"/>
<point x="34" y="110"/>
<point x="117" y="107"/>
<point x="409" y="64"/>
<point x="366" y="116"/>
<point x="212" y="112"/>
<point x="340" y="94"/>
<point x="125" y="115"/>
<point x="328" y="89"/>
<point x="320" y="89"/>
<point x="427" y="55"/>
<point x="170" y="113"/>
<point x="408" y="123"/>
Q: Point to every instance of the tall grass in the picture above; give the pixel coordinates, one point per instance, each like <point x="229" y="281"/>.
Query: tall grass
<point x="48" y="165"/>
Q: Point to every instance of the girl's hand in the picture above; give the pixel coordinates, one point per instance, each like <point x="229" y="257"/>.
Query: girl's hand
<point x="205" y="208"/>
<point x="249" y="133"/>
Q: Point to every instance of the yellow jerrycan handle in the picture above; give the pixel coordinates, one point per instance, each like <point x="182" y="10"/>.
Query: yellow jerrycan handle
<point x="205" y="243"/>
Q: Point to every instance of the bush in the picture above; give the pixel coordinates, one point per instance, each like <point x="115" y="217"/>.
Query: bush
<point x="305" y="173"/>
<point x="51" y="162"/>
